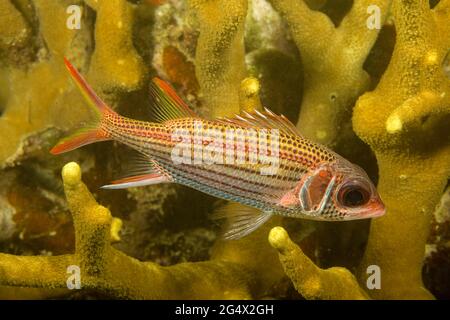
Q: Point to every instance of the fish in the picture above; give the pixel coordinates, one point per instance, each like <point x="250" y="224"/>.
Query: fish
<point x="258" y="159"/>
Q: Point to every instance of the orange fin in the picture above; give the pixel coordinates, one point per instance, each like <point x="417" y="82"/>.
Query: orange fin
<point x="80" y="138"/>
<point x="140" y="170"/>
<point x="92" y="132"/>
<point x="167" y="104"/>
<point x="137" y="181"/>
<point x="91" y="97"/>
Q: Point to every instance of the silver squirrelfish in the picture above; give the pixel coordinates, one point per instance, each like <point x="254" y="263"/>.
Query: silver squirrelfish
<point x="257" y="159"/>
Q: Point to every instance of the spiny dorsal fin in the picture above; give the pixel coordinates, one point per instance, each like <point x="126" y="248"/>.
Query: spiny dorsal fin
<point x="167" y="104"/>
<point x="263" y="119"/>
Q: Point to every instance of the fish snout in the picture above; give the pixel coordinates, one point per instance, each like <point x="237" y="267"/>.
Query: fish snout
<point x="376" y="208"/>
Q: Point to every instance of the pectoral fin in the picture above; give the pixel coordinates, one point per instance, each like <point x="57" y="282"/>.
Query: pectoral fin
<point x="241" y="220"/>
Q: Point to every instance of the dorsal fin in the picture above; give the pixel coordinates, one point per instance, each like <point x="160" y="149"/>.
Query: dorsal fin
<point x="167" y="104"/>
<point x="263" y="119"/>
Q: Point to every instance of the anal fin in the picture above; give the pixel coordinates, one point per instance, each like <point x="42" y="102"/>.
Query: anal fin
<point x="140" y="170"/>
<point x="137" y="181"/>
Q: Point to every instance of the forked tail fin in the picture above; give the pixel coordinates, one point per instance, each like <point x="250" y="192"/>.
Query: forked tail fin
<point x="92" y="132"/>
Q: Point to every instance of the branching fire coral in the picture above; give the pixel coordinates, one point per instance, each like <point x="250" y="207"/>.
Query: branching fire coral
<point x="332" y="59"/>
<point x="16" y="32"/>
<point x="41" y="94"/>
<point x="115" y="54"/>
<point x="312" y="282"/>
<point x="220" y="53"/>
<point x="406" y="120"/>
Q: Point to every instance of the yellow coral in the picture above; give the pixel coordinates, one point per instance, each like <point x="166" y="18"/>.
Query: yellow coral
<point x="32" y="99"/>
<point x="14" y="28"/>
<point x="312" y="282"/>
<point x="219" y="59"/>
<point x="42" y="96"/>
<point x="405" y="121"/>
<point x="111" y="272"/>
<point x="249" y="94"/>
<point x="115" y="54"/>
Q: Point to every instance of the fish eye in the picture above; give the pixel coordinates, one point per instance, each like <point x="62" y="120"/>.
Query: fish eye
<point x="354" y="196"/>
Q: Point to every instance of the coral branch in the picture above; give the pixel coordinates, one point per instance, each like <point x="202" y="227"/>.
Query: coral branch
<point x="355" y="31"/>
<point x="332" y="60"/>
<point x="413" y="113"/>
<point x="405" y="121"/>
<point x="219" y="60"/>
<point x="111" y="272"/>
<point x="27" y="114"/>
<point x="15" y="32"/>
<point x="92" y="222"/>
<point x="51" y="100"/>
<point x="115" y="55"/>
<point x="305" y="25"/>
<point x="37" y="272"/>
<point x="309" y="280"/>
<point x="443" y="6"/>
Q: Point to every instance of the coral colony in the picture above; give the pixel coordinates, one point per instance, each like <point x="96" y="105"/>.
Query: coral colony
<point x="367" y="78"/>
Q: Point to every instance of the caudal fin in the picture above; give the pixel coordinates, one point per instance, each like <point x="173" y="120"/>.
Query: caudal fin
<point x="93" y="131"/>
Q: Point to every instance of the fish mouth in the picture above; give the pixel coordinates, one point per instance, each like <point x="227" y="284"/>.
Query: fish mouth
<point x="376" y="214"/>
<point x="376" y="209"/>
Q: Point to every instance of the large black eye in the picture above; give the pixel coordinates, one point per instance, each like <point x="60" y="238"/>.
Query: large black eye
<point x="354" y="197"/>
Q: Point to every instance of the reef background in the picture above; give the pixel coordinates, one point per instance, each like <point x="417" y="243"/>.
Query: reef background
<point x="381" y="98"/>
